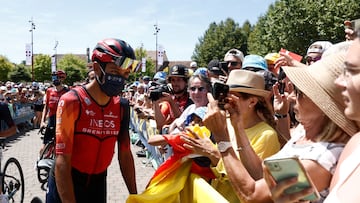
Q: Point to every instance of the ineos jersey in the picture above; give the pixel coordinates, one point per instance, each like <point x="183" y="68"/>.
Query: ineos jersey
<point x="52" y="99"/>
<point x="89" y="131"/>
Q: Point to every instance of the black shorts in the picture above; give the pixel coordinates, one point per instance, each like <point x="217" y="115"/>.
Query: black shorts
<point x="38" y="107"/>
<point x="50" y="130"/>
<point x="87" y="188"/>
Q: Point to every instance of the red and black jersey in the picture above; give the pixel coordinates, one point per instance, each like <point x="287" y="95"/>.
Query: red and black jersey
<point x="89" y="131"/>
<point x="52" y="99"/>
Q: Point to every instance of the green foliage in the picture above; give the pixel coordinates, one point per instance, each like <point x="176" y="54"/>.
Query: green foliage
<point x="20" y="74"/>
<point x="42" y="68"/>
<point x="5" y="67"/>
<point x="294" y="25"/>
<point x="75" y="68"/>
<point x="150" y="65"/>
<point x="218" y="39"/>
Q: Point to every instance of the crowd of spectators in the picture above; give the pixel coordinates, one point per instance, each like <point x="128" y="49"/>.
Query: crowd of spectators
<point x="305" y="120"/>
<point x="222" y="121"/>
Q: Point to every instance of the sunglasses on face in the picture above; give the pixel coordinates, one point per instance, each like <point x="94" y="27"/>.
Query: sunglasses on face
<point x="125" y="62"/>
<point x="310" y="59"/>
<point x="232" y="63"/>
<point x="200" y="89"/>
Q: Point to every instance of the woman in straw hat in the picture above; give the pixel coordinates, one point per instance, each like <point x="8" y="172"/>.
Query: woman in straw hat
<point x="344" y="184"/>
<point x="250" y="125"/>
<point x="319" y="108"/>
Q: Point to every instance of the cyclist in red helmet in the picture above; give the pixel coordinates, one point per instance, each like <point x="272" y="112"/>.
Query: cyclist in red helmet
<point x="51" y="100"/>
<point x="91" y="119"/>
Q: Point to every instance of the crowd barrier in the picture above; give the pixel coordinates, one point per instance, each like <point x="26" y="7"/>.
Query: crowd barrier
<point x="21" y="114"/>
<point x="144" y="129"/>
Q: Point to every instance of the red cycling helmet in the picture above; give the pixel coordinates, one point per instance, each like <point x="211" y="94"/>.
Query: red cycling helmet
<point x="109" y="50"/>
<point x="61" y="74"/>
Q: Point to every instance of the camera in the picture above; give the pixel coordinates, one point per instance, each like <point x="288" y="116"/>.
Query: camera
<point x="219" y="92"/>
<point x="156" y="91"/>
<point x="224" y="67"/>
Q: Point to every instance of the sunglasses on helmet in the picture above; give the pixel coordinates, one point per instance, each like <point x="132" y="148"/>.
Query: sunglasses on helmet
<point x="124" y="62"/>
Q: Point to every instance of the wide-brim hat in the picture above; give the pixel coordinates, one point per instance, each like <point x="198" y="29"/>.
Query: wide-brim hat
<point x="317" y="81"/>
<point x="247" y="82"/>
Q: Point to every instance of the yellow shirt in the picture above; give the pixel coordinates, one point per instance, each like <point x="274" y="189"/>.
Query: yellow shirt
<point x="263" y="139"/>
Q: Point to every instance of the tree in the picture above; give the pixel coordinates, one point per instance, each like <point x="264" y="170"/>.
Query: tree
<point x="294" y="25"/>
<point x="5" y="68"/>
<point x="75" y="68"/>
<point x="20" y="74"/>
<point x="218" y="39"/>
<point x="42" y="67"/>
<point x="150" y="65"/>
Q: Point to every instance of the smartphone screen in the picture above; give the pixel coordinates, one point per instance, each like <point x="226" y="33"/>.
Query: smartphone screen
<point x="219" y="92"/>
<point x="284" y="168"/>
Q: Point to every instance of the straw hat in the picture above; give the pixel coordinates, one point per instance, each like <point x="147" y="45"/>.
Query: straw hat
<point x="317" y="81"/>
<point x="247" y="82"/>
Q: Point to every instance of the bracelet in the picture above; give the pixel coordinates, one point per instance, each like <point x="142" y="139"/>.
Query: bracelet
<point x="277" y="115"/>
<point x="243" y="148"/>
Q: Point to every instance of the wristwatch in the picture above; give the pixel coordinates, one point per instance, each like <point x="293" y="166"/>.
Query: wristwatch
<point x="223" y="146"/>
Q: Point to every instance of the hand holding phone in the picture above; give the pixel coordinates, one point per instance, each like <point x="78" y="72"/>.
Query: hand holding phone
<point x="285" y="168"/>
<point x="219" y="92"/>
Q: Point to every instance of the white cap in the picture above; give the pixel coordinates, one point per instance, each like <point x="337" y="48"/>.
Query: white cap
<point x="319" y="47"/>
<point x="193" y="64"/>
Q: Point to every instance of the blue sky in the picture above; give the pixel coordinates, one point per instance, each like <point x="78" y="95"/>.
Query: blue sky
<point x="77" y="25"/>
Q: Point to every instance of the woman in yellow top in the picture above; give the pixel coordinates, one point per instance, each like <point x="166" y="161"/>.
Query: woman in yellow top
<point x="250" y="124"/>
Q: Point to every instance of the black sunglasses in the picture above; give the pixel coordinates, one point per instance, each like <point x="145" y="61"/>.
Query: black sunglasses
<point x="200" y="89"/>
<point x="232" y="63"/>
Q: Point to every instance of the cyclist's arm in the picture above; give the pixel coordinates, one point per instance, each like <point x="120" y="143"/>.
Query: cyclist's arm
<point x="63" y="178"/>
<point x="45" y="110"/>
<point x="126" y="160"/>
<point x="8" y="132"/>
<point x="66" y="115"/>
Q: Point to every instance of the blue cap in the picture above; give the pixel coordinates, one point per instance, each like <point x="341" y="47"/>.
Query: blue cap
<point x="254" y="61"/>
<point x="200" y="112"/>
<point x="201" y="71"/>
<point x="160" y="75"/>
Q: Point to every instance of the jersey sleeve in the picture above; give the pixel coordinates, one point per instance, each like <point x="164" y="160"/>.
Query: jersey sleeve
<point x="66" y="116"/>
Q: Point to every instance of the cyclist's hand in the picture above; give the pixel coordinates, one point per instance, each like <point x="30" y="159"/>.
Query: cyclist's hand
<point x="42" y="130"/>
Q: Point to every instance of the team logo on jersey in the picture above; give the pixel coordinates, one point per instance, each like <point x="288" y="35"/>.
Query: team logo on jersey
<point x="61" y="103"/>
<point x="90" y="112"/>
<point x="110" y="115"/>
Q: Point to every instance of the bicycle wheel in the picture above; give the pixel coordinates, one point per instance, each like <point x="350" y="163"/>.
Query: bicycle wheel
<point x="13" y="181"/>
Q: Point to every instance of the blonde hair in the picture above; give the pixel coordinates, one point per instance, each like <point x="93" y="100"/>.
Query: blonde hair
<point x="332" y="133"/>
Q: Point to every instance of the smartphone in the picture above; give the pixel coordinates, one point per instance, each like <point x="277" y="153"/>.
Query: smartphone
<point x="283" y="168"/>
<point x="280" y="80"/>
<point x="219" y="92"/>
